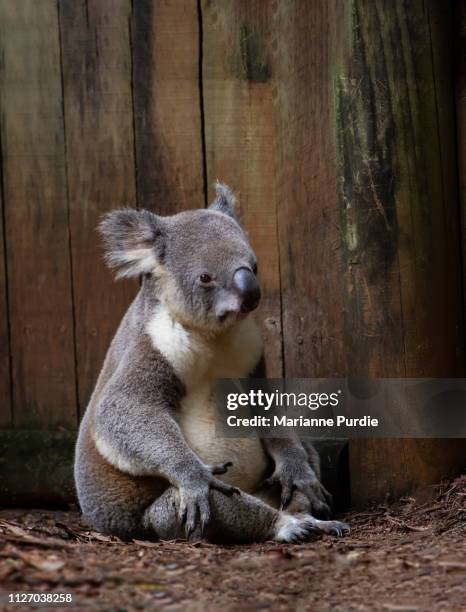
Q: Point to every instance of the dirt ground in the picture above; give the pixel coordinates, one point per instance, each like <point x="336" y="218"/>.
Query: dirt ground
<point x="405" y="556"/>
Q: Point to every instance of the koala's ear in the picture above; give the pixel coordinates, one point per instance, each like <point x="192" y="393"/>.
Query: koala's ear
<point x="134" y="241"/>
<point x="225" y="201"/>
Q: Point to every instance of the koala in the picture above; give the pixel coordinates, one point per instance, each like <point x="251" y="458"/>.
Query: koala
<point x="147" y="461"/>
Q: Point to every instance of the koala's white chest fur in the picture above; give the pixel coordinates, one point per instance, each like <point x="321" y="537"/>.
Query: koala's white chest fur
<point x="198" y="361"/>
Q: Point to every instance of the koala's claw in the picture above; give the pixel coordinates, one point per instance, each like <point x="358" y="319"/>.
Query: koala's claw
<point x="287" y="489"/>
<point x="233" y="491"/>
<point x="204" y="524"/>
<point x="336" y="528"/>
<point x="286" y="496"/>
<point x="194" y="508"/>
<point x="194" y="511"/>
<point x="220" y="468"/>
<point x="226" y="489"/>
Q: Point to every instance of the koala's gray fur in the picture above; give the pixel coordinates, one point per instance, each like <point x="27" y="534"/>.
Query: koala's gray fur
<point x="147" y="459"/>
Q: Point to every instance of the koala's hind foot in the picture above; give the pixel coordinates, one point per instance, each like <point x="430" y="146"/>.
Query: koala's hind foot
<point x="298" y="528"/>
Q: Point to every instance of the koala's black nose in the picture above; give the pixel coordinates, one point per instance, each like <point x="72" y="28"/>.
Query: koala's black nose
<point x="248" y="289"/>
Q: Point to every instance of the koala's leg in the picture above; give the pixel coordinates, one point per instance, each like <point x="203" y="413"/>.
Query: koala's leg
<point x="111" y="502"/>
<point x="239" y="518"/>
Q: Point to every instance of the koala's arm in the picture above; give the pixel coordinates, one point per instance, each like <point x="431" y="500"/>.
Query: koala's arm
<point x="297" y="466"/>
<point x="134" y="428"/>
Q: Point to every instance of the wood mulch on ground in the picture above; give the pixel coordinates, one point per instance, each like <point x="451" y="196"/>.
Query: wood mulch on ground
<point x="406" y="556"/>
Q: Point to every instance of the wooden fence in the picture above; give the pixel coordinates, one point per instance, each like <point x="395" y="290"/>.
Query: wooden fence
<point x="335" y="122"/>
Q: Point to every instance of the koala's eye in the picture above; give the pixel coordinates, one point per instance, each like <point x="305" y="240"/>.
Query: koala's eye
<point x="205" y="279"/>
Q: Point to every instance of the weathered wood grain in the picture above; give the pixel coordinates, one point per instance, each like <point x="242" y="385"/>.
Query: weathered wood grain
<point x="97" y="72"/>
<point x="39" y="281"/>
<point x="6" y="414"/>
<point x="165" y="37"/>
<point x="308" y="221"/>
<point x="398" y="220"/>
<point x="240" y="145"/>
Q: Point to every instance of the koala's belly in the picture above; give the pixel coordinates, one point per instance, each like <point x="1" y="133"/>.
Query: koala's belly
<point x="197" y="422"/>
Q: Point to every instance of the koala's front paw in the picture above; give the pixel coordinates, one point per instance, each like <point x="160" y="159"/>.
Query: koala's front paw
<point x="299" y="528"/>
<point x="293" y="474"/>
<point x="194" y="498"/>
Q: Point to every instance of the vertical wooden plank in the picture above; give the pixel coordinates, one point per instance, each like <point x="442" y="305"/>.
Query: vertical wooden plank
<point x="398" y="222"/>
<point x="238" y="94"/>
<point x="36" y="215"/>
<point x="167" y="107"/>
<point x="460" y="96"/>
<point x="374" y="339"/>
<point x="6" y="414"/>
<point x="96" y="57"/>
<point x="440" y="16"/>
<point x="308" y="220"/>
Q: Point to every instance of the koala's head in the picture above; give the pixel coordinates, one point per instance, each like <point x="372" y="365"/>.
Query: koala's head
<point x="201" y="260"/>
